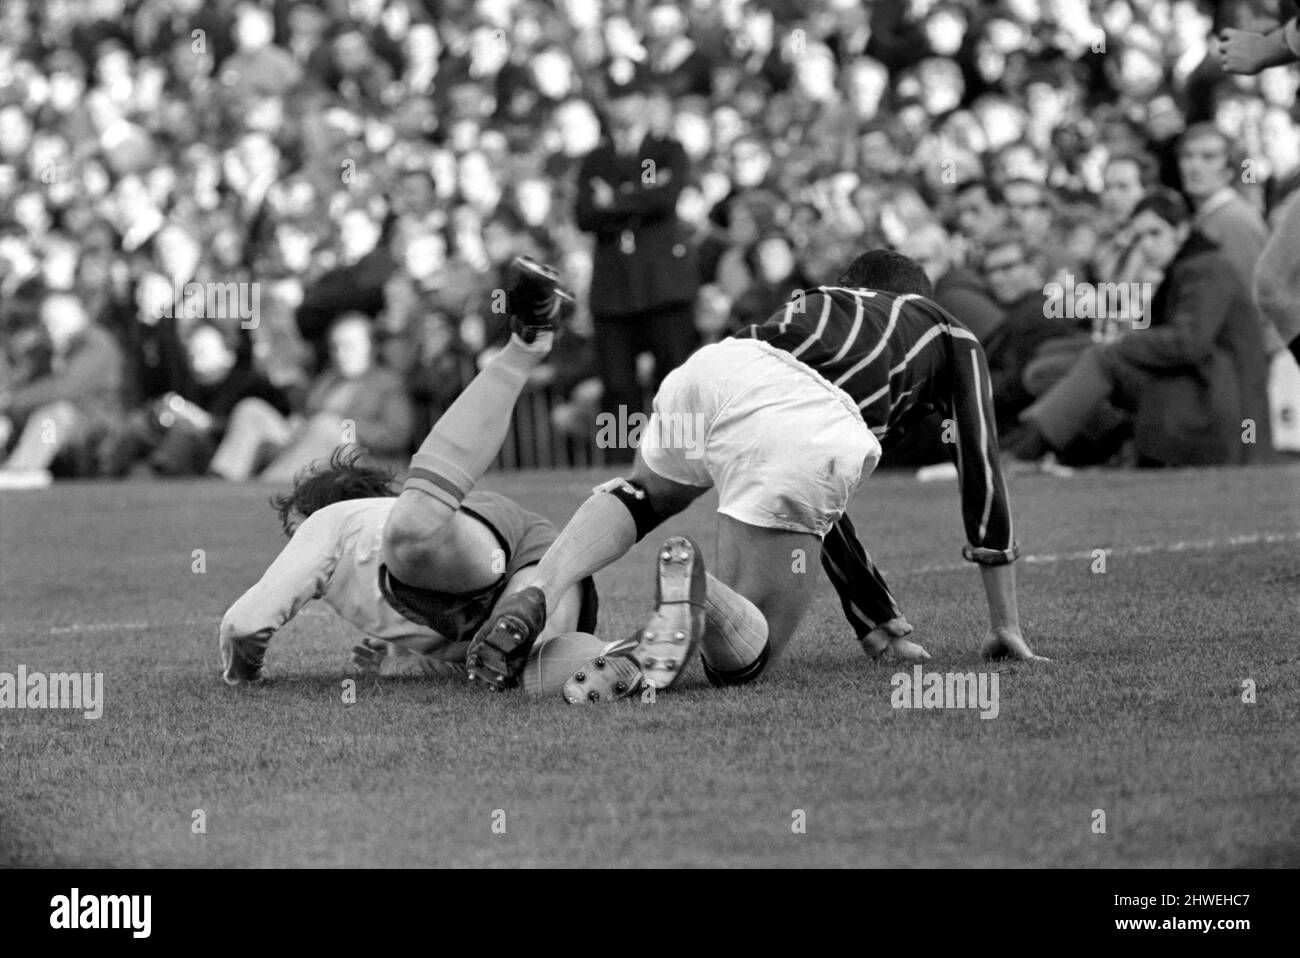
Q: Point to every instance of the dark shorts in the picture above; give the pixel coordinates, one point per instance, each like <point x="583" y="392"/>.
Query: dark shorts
<point x="524" y="537"/>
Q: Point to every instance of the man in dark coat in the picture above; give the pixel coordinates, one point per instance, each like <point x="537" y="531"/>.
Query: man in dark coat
<point x="1016" y="274"/>
<point x="644" y="277"/>
<point x="1193" y="383"/>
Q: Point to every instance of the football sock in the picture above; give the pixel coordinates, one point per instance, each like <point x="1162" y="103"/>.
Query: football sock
<point x="601" y="531"/>
<point x="468" y="436"/>
<point x="735" y="632"/>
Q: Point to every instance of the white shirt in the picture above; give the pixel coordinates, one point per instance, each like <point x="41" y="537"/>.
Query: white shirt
<point x="334" y="555"/>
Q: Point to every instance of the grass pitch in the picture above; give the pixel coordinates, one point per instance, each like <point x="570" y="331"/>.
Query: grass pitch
<point x="1141" y="715"/>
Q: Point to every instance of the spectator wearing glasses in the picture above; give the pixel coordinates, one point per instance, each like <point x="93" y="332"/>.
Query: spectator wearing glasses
<point x="1016" y="273"/>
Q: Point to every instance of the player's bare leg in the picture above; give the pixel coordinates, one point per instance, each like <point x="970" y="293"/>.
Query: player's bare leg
<point x="428" y="542"/>
<point x="773" y="569"/>
<point x="1004" y="640"/>
<point x="766" y="580"/>
<point x="603" y="530"/>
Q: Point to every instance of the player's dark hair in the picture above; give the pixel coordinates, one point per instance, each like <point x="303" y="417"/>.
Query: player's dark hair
<point x="323" y="484"/>
<point x="887" y="271"/>
<point x="1166" y="204"/>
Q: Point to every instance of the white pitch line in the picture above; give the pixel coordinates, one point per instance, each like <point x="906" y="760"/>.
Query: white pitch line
<point x="79" y="627"/>
<point x="1193" y="545"/>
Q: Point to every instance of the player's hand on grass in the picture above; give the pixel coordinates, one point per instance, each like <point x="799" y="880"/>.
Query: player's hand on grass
<point x="1004" y="643"/>
<point x="242" y="658"/>
<point x="891" y="637"/>
<point x="369" y="655"/>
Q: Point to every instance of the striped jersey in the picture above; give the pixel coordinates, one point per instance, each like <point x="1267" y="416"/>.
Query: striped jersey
<point x="901" y="357"/>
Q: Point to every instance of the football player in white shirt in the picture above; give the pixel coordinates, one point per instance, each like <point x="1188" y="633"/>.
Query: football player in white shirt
<point x="420" y="570"/>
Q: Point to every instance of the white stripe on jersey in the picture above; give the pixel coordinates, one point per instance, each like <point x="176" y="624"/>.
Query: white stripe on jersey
<point x="785" y="320"/>
<point x="961" y="332"/>
<point x="844" y="579"/>
<point x="901" y="396"/>
<point x="857" y="325"/>
<point x="920" y="344"/>
<point x="984" y="389"/>
<point x="877" y="349"/>
<point x="821" y="326"/>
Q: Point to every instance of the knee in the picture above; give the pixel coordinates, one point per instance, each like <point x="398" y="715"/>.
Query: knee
<point x="412" y="540"/>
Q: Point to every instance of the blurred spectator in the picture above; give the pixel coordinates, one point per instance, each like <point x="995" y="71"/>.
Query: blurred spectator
<point x="958" y="289"/>
<point x="319" y="150"/>
<point x="63" y="411"/>
<point x="179" y="433"/>
<point x="1192" y="386"/>
<point x="1029" y="210"/>
<point x="776" y="275"/>
<point x="356" y="285"/>
<point x="1016" y="273"/>
<point x="1126" y="178"/>
<point x="354" y="401"/>
<point x="644" y="276"/>
<point x="1208" y="165"/>
<point x="976" y="215"/>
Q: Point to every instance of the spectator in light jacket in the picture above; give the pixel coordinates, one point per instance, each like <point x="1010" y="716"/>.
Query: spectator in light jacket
<point x="62" y="411"/>
<point x="354" y="402"/>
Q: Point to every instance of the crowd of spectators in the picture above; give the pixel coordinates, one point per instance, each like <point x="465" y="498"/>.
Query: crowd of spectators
<point x="368" y="167"/>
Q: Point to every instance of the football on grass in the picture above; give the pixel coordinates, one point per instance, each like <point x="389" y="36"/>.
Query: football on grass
<point x="552" y="662"/>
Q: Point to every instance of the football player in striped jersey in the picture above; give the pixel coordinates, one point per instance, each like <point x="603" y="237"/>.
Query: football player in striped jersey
<point x="418" y="571"/>
<point x="794" y="411"/>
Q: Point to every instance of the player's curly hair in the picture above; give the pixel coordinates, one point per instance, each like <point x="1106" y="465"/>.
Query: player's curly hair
<point x="322" y="484"/>
<point x="887" y="271"/>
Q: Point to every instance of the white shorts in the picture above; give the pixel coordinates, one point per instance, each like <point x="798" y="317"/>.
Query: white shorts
<point x="784" y="446"/>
